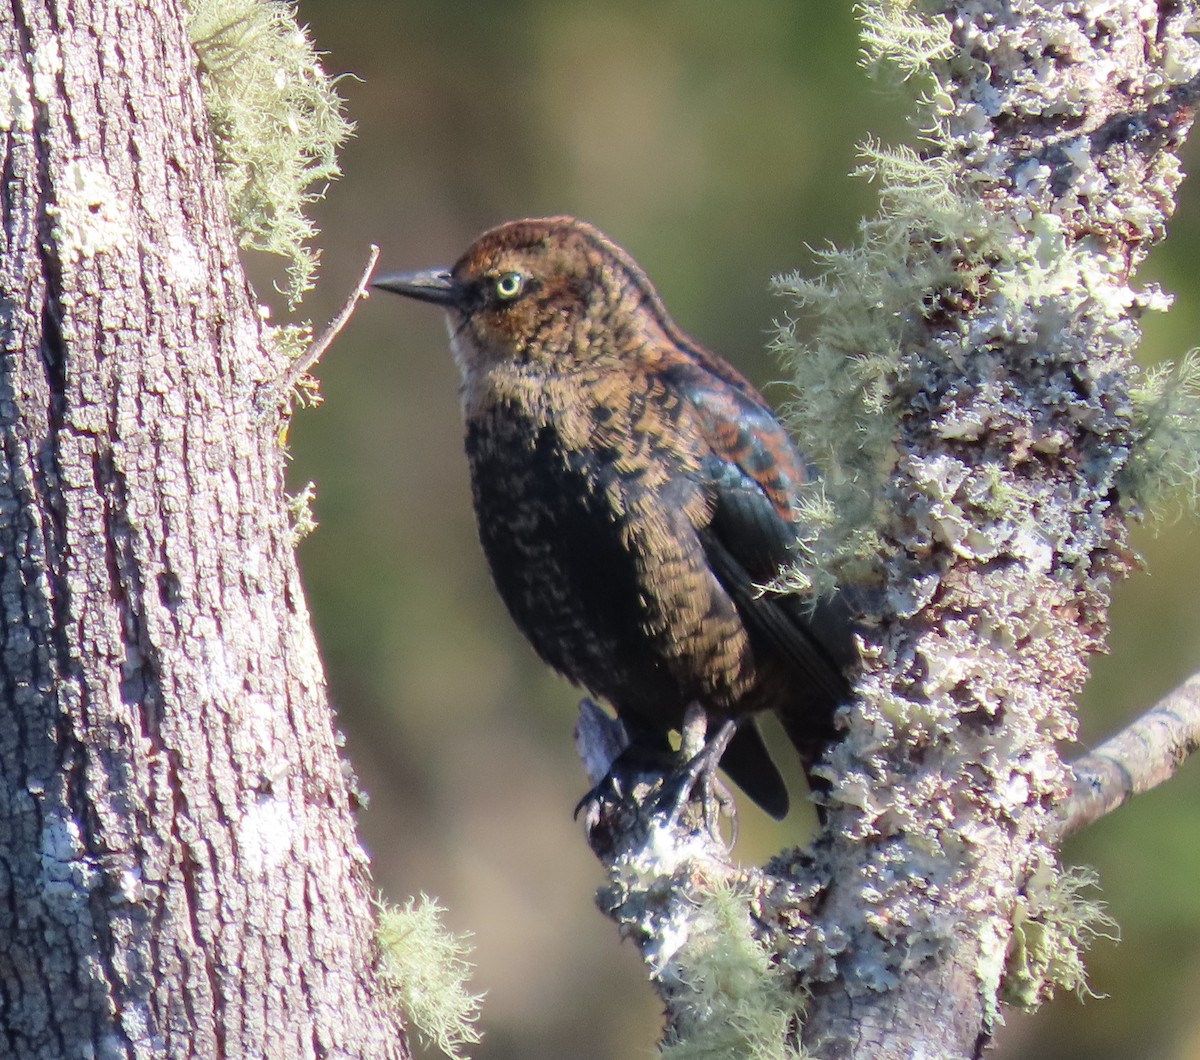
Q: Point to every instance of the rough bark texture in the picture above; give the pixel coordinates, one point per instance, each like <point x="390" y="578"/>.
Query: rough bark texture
<point x="179" y="874"/>
<point x="1008" y="313"/>
<point x="1007" y="520"/>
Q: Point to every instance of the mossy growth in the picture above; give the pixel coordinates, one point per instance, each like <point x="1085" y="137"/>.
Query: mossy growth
<point x="1053" y="924"/>
<point x="931" y="254"/>
<point x="292" y="341"/>
<point x="927" y="250"/>
<point x="426" y="967"/>
<point x="1164" y="463"/>
<point x="276" y="121"/>
<point x="300" y="512"/>
<point x="730" y="998"/>
<point x="894" y="32"/>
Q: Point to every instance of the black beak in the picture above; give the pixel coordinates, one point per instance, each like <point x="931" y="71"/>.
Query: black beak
<point x="425" y="285"/>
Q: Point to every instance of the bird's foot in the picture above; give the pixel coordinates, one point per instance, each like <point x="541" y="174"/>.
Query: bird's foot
<point x="698" y="776"/>
<point x="631" y="774"/>
<point x="641" y="783"/>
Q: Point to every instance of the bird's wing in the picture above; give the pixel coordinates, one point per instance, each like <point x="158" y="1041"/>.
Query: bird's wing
<point x="752" y="472"/>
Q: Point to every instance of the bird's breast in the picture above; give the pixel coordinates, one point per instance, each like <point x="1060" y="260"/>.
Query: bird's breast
<point x="590" y="530"/>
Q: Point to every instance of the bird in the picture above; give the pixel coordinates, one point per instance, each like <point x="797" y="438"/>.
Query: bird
<point x="635" y="498"/>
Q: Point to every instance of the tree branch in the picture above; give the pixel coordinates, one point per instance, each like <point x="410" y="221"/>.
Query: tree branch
<point x="278" y="390"/>
<point x="1138" y="758"/>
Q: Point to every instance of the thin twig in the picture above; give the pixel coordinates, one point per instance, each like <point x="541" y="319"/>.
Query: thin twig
<point x="323" y="341"/>
<point x="1137" y="759"/>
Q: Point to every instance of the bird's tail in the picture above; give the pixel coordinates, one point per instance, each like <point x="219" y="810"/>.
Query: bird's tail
<point x="750" y="767"/>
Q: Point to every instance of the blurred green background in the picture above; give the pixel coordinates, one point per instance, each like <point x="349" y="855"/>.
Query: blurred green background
<point x="713" y="141"/>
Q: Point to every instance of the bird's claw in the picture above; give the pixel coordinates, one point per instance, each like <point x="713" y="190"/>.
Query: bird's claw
<point x="608" y="790"/>
<point x="700" y="771"/>
<point x="645" y="784"/>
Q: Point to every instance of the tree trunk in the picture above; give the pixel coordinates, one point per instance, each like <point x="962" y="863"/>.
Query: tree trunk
<point x="178" y="867"/>
<point x="1018" y="446"/>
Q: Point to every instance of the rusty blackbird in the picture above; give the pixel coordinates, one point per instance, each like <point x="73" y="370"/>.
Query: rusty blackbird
<point x="634" y="493"/>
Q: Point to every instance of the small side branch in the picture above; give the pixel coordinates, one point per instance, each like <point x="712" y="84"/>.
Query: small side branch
<point x="1137" y="759"/>
<point x="322" y="342"/>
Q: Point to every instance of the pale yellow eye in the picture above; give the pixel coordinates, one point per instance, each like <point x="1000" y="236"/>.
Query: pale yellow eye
<point x="509" y="285"/>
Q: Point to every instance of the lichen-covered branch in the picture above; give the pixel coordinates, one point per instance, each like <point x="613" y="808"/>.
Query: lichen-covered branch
<point x="1138" y="758"/>
<point x="969" y="389"/>
<point x="703" y="924"/>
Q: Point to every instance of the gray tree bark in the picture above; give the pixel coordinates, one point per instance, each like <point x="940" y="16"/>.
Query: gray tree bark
<point x="179" y="874"/>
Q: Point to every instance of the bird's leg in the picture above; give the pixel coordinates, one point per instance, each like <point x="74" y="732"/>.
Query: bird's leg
<point x="600" y="740"/>
<point x="701" y="758"/>
<point x="693" y="733"/>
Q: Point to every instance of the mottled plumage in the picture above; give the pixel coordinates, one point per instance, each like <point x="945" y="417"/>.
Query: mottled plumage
<point x="633" y="491"/>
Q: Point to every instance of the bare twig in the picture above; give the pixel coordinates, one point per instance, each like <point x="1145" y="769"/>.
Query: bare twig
<point x="1137" y="759"/>
<point x="323" y="341"/>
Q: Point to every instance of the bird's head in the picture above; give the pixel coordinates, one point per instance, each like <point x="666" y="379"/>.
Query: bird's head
<point x="548" y="292"/>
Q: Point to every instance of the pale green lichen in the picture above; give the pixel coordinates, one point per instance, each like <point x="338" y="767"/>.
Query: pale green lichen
<point x="934" y="253"/>
<point x="1052" y="926"/>
<point x="89" y="215"/>
<point x="924" y="255"/>
<point x="895" y="35"/>
<point x="292" y="341"/>
<point x="930" y="257"/>
<point x="300" y="512"/>
<point x="16" y="105"/>
<point x="276" y="121"/>
<point x="963" y="391"/>
<point x="731" y="998"/>
<point x="1164" y="464"/>
<point x="425" y="967"/>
